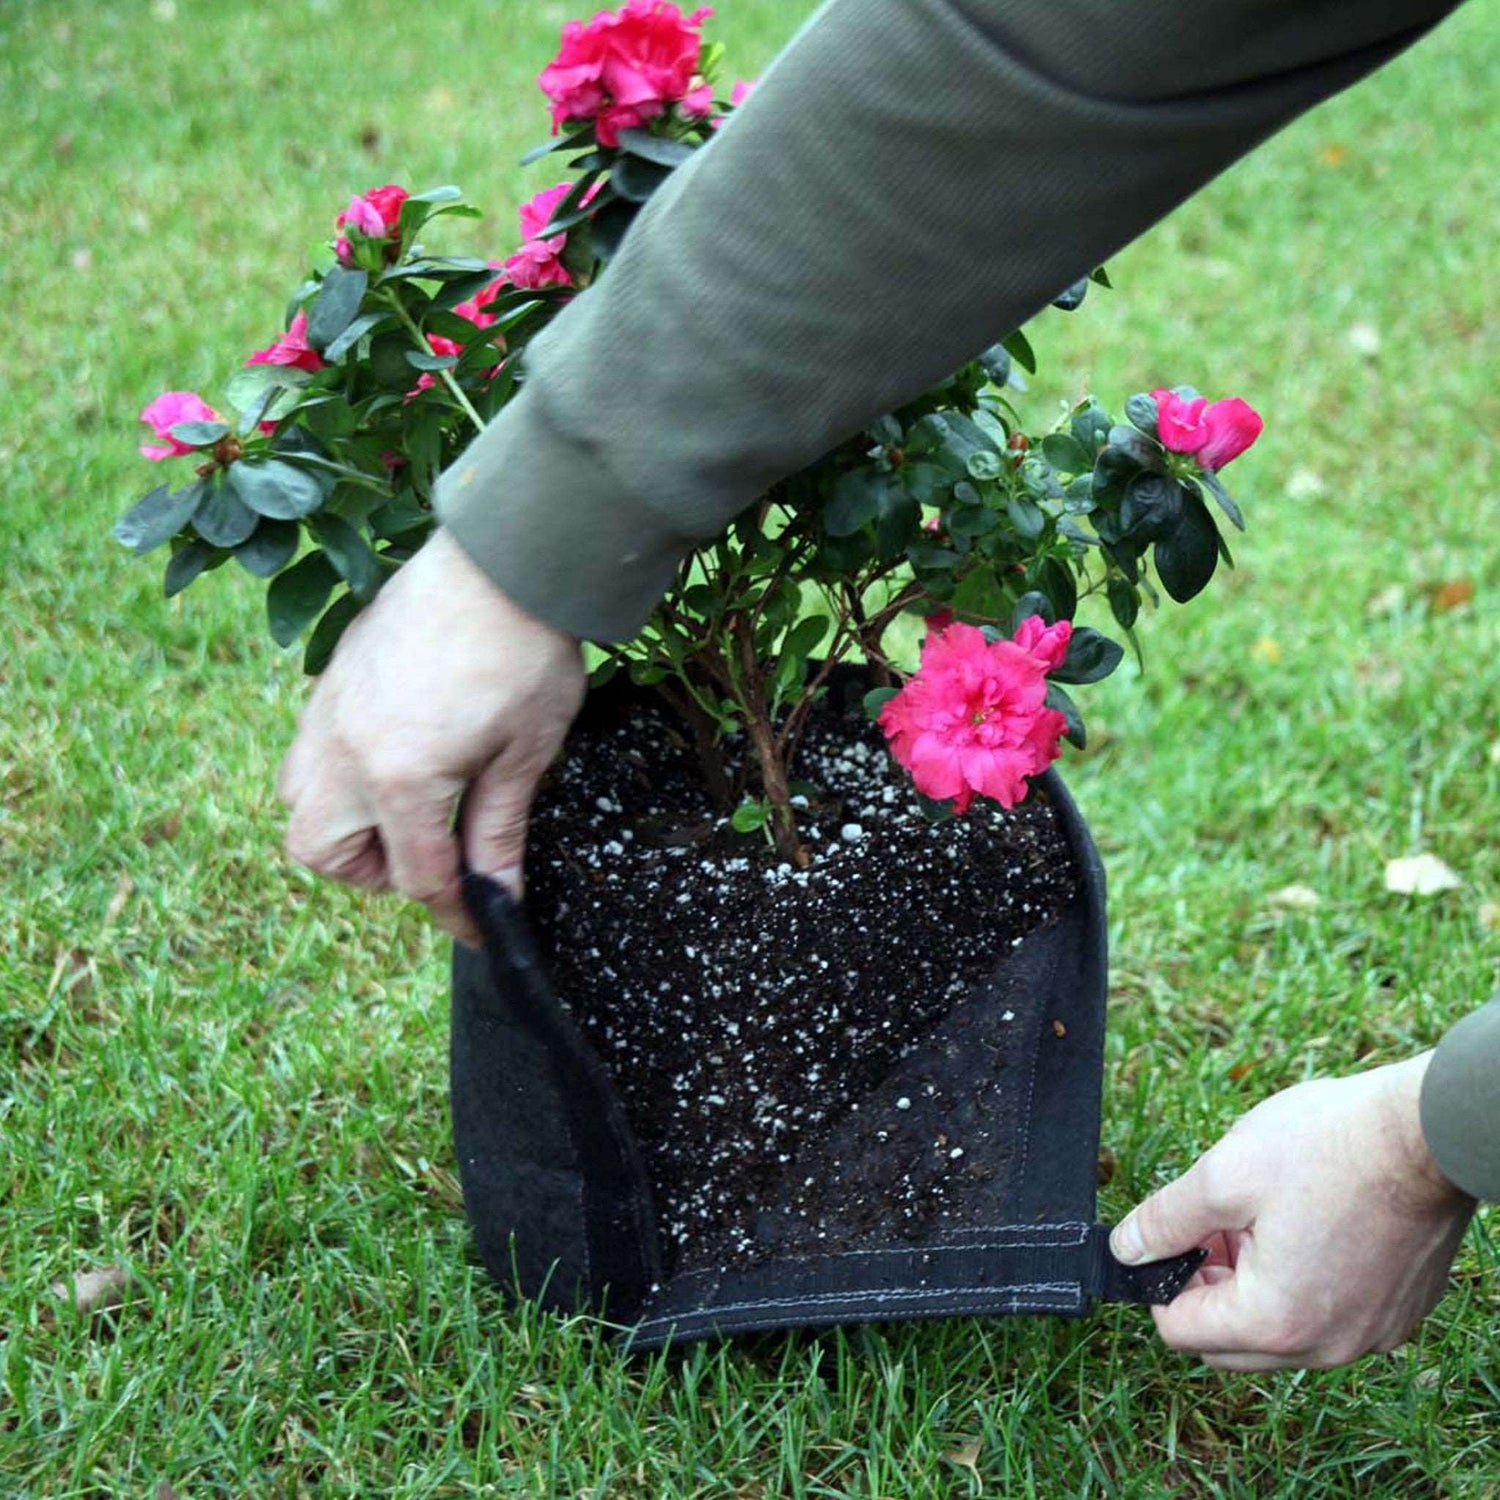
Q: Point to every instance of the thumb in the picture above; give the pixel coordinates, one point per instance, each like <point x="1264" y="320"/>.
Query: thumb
<point x="1179" y="1217"/>
<point x="497" y="810"/>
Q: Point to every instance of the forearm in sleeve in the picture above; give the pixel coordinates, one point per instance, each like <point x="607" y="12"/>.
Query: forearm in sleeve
<point x="1461" y="1103"/>
<point x="911" y="180"/>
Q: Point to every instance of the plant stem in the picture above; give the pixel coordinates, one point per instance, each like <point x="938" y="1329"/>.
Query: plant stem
<point x="710" y="762"/>
<point x="454" y="388"/>
<point x="773" y="776"/>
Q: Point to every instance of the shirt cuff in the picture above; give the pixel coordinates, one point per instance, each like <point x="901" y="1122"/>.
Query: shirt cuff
<point x="1461" y="1104"/>
<point x="551" y="526"/>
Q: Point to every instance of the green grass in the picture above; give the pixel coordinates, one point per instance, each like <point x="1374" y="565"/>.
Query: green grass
<point x="231" y="1077"/>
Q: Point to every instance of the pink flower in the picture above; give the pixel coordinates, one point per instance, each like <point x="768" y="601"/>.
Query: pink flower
<point x="476" y="310"/>
<point x="973" y="717"/>
<point x="537" y="212"/>
<point x="290" y="349"/>
<point x="163" y="414"/>
<point x="538" y="263"/>
<point x="623" y="67"/>
<point x="376" y="215"/>
<point x="698" y="102"/>
<point x="1048" y="643"/>
<point x="1213" y="433"/>
<point x="737" y="96"/>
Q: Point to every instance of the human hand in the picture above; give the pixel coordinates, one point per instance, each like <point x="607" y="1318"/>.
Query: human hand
<point x="1329" y="1228"/>
<point x="441" y="687"/>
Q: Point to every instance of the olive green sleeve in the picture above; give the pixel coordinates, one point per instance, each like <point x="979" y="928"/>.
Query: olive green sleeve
<point x="911" y="180"/>
<point x="1461" y="1103"/>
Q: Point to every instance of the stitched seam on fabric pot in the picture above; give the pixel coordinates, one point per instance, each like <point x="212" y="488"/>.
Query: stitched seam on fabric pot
<point x="823" y="1299"/>
<point x="998" y="1237"/>
<point x="1020" y="1183"/>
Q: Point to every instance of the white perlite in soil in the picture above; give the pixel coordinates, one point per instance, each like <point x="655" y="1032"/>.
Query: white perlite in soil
<point x="750" y="1011"/>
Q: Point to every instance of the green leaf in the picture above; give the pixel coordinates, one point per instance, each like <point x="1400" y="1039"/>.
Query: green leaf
<point x="223" y="518"/>
<point x="1140" y="411"/>
<point x="1074" y="733"/>
<point x="970" y="521"/>
<point x="1188" y="555"/>
<point x="655" y="148"/>
<point x="801" y="641"/>
<point x="199" y="434"/>
<point x="158" y="517"/>
<point x="1018" y="346"/>
<point x="336" y="304"/>
<point x="1151" y="508"/>
<point x="608" y="228"/>
<point x="806" y="636"/>
<point x="1066" y="454"/>
<point x="858" y="498"/>
<point x="876" y="699"/>
<point x="1033" y="602"/>
<point x="951" y="438"/>
<point x="572" y="210"/>
<point x="269" y="549"/>
<point x="995" y="362"/>
<point x="1028" y="518"/>
<point x="420" y="359"/>
<point x="932" y="810"/>
<point x="1078" y="494"/>
<point x="578" y="141"/>
<point x="1090" y="425"/>
<point x="336" y="619"/>
<point x="365" y="323"/>
<point x="1126" y="557"/>
<point x="1055" y="579"/>
<point x="928" y="484"/>
<point x="985" y="465"/>
<point x="350" y="553"/>
<point x="1113" y="471"/>
<point x="1221" y="495"/>
<point x="1134" y="443"/>
<point x="274" y="488"/>
<point x="636" y="179"/>
<point x="186" y="564"/>
<point x="1091" y="657"/>
<point x="750" y="816"/>
<point x="248" y="383"/>
<point x="386" y="361"/>
<point x="601" y="672"/>
<point x="979" y="595"/>
<point x="1072" y="298"/>
<point x="454" y="292"/>
<point x="297" y="596"/>
<point x="445" y="194"/>
<point x="1124" y="602"/>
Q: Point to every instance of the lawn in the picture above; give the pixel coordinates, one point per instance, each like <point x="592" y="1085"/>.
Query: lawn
<point x="229" y="1078"/>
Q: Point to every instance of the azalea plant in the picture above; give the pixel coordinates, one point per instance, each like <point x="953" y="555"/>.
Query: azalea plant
<point x="395" y="355"/>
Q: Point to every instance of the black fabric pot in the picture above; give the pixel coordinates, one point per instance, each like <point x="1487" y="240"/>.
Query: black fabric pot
<point x="561" y="1205"/>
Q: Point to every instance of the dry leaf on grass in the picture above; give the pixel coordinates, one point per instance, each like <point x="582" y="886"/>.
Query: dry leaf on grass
<point x="1420" y="875"/>
<point x="1450" y="593"/>
<point x="965" y="1455"/>
<point x="1295" y="898"/>
<point x="92" y="1293"/>
<point x="1489" y="916"/>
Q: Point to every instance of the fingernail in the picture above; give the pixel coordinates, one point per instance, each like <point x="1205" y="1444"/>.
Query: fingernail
<point x="1125" y="1243"/>
<point x="510" y="878"/>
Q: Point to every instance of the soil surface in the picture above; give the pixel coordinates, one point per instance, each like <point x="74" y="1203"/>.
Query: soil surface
<point x="778" y="1036"/>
